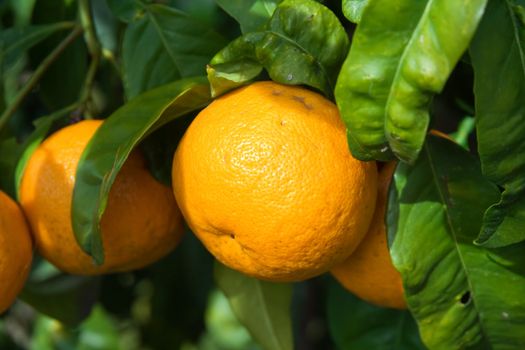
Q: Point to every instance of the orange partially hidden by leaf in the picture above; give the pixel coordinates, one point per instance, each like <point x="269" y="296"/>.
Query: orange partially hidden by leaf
<point x="141" y="224"/>
<point x="368" y="272"/>
<point x="16" y="251"/>
<point x="265" y="179"/>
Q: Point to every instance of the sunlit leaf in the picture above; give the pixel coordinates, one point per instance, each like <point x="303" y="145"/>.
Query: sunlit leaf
<point x="401" y="55"/>
<point x="302" y="43"/>
<point x="462" y="295"/>
<point x="353" y="9"/>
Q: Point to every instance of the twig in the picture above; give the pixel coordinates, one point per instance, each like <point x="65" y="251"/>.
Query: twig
<point x="94" y="50"/>
<point x="41" y="69"/>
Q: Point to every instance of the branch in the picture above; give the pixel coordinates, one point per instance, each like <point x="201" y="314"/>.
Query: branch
<point x="41" y="69"/>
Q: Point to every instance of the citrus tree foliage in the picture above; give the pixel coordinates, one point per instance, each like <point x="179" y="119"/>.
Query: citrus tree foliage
<point x="395" y="69"/>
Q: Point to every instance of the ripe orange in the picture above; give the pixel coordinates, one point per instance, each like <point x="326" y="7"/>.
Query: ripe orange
<point x="141" y="224"/>
<point x="264" y="178"/>
<point x="368" y="272"/>
<point x="16" y="251"/>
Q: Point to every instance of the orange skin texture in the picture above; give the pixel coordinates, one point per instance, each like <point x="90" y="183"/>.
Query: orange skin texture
<point x="141" y="224"/>
<point x="264" y="178"/>
<point x="368" y="272"/>
<point x="16" y="251"/>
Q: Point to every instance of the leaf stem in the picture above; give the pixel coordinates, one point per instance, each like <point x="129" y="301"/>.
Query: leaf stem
<point x="38" y="73"/>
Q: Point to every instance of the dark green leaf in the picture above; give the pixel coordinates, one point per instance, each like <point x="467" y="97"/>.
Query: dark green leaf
<point x="251" y="14"/>
<point x="303" y="43"/>
<point x="462" y="295"/>
<point x="353" y="9"/>
<point x="262" y="307"/>
<point x="402" y="53"/>
<point x="62" y="82"/>
<point x="125" y="10"/>
<point x="164" y="45"/>
<point x="113" y="142"/>
<point x="66" y="298"/>
<point x="106" y="26"/>
<point x="356" y="325"/>
<point x="14" y="42"/>
<point x="498" y="58"/>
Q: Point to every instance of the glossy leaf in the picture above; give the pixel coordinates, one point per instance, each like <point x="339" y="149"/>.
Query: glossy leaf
<point x="14" y="42"/>
<point x="262" y="307"/>
<point x="401" y="55"/>
<point x="353" y="9"/>
<point x="113" y="142"/>
<point x="498" y="58"/>
<point x="250" y="14"/>
<point x="302" y="43"/>
<point x="177" y="47"/>
<point x="463" y="296"/>
<point x="356" y="325"/>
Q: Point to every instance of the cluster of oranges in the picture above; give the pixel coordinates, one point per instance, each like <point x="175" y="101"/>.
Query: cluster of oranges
<point x="264" y="178"/>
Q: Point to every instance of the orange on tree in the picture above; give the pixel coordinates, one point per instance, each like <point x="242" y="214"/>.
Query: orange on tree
<point x="265" y="179"/>
<point x="16" y="251"/>
<point x="141" y="223"/>
<point x="368" y="272"/>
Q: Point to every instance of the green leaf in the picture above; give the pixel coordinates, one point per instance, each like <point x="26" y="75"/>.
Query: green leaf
<point x="23" y="10"/>
<point x="353" y="9"/>
<point x="62" y="82"/>
<point x="164" y="45"/>
<point x="498" y="59"/>
<point x="106" y="26"/>
<point x="262" y="307"/>
<point x="125" y="10"/>
<point x="113" y="142"/>
<point x="463" y="296"/>
<point x="223" y="328"/>
<point x="465" y="128"/>
<point x="15" y="41"/>
<point x="355" y="324"/>
<point x="302" y="43"/>
<point x="66" y="298"/>
<point x="402" y="53"/>
<point x="250" y="14"/>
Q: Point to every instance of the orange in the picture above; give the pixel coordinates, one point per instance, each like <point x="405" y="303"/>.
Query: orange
<point x="141" y="224"/>
<point x="368" y="272"/>
<point x="16" y="251"/>
<point x="264" y="178"/>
